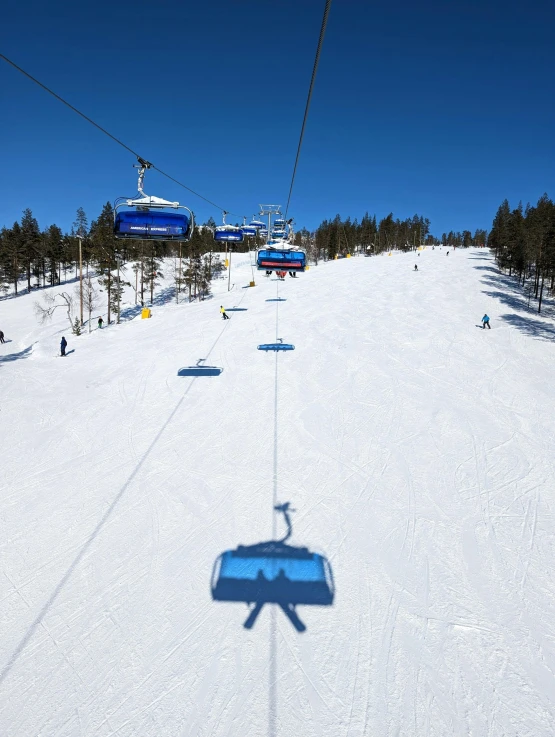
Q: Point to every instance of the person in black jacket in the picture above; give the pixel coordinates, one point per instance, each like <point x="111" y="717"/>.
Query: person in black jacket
<point x="63" y="345"/>
<point x="2" y="337"/>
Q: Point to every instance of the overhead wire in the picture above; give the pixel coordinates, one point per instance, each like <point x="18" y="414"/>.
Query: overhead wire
<point x="310" y="89"/>
<point x="110" y="135"/>
<point x="156" y="168"/>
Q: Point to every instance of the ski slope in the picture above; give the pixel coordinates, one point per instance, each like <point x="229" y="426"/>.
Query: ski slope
<point x="418" y="451"/>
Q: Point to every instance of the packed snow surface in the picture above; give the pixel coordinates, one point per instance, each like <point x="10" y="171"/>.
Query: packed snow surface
<point x="417" y="450"/>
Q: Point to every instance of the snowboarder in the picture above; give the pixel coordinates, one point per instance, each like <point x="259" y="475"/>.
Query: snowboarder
<point x="225" y="316"/>
<point x="416" y="267"/>
<point x="100" y="321"/>
<point x="2" y="337"/>
<point x="63" y="345"/>
<point x="485" y="321"/>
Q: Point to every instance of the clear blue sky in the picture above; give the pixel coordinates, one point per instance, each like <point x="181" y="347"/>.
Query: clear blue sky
<point x="440" y="108"/>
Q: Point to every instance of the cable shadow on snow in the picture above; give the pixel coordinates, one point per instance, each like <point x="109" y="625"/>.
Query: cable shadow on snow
<point x="25" y="353"/>
<point x="530" y="326"/>
<point x="35" y="624"/>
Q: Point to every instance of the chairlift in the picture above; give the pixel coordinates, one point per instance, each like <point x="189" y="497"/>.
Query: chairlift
<point x="257" y="224"/>
<point x="151" y="218"/>
<point x="279" y="259"/>
<point x="228" y="233"/>
<point x="273" y="573"/>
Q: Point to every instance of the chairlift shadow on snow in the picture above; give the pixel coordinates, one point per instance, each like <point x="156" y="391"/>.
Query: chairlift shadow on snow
<point x="273" y="572"/>
<point x="25" y="353"/>
<point x="279" y="345"/>
<point x="200" y="369"/>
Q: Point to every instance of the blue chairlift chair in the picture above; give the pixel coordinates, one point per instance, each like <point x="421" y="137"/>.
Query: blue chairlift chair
<point x="228" y="233"/>
<point x="278" y="259"/>
<point x="151" y="218"/>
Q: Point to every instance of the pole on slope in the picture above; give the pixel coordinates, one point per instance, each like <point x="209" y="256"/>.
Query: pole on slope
<point x="229" y="270"/>
<point x="80" y="237"/>
<point x="119" y="289"/>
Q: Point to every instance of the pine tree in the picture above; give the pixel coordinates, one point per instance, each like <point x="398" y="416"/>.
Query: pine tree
<point x="103" y="247"/>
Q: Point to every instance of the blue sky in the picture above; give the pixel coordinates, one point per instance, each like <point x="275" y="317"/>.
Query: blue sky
<point x="439" y="108"/>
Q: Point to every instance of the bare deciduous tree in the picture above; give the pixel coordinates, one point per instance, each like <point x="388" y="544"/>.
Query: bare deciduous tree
<point x="45" y="312"/>
<point x="91" y="297"/>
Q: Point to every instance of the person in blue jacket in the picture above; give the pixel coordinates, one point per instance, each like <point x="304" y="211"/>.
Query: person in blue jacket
<point x="485" y="321"/>
<point x="63" y="345"/>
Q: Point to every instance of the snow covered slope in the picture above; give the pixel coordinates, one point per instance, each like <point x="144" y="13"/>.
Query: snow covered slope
<point x="419" y="454"/>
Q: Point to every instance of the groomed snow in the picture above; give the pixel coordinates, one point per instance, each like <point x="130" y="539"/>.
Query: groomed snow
<point x="418" y="451"/>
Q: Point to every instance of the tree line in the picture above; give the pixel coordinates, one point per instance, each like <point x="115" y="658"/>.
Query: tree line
<point x="31" y="258"/>
<point x="339" y="237"/>
<point x="523" y="241"/>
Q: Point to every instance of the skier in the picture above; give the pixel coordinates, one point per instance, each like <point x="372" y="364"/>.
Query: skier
<point x="485" y="321"/>
<point x="448" y="253"/>
<point x="63" y="345"/>
<point x="225" y="316"/>
<point x="2" y="337"/>
<point x="100" y="321"/>
<point x="416" y="267"/>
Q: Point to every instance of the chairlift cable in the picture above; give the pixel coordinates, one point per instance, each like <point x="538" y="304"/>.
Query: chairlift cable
<point x="310" y="89"/>
<point x="103" y="130"/>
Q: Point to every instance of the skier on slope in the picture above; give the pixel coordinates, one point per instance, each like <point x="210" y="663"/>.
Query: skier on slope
<point x="100" y="321"/>
<point x="2" y="337"/>
<point x="225" y="316"/>
<point x="416" y="267"/>
<point x="485" y="321"/>
<point x="63" y="346"/>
